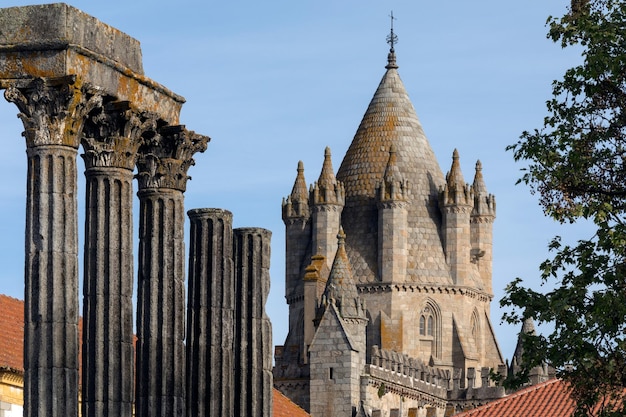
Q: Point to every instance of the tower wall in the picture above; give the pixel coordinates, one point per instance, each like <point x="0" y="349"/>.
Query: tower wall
<point x="392" y="241"/>
<point x="337" y="360"/>
<point x="326" y="220"/>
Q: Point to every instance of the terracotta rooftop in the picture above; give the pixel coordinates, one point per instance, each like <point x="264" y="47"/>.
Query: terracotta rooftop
<point x="12" y="351"/>
<point x="548" y="399"/>
<point x="284" y="407"/>
<point x="12" y="331"/>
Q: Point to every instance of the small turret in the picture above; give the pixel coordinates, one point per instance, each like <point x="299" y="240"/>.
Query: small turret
<point x="327" y="190"/>
<point x="392" y="205"/>
<point x="341" y="288"/>
<point x="456" y="191"/>
<point x="539" y="373"/>
<point x="484" y="203"/>
<point x="393" y="187"/>
<point x="327" y="198"/>
<point x="297" y="219"/>
<point x="482" y="218"/>
<point x="296" y="205"/>
<point x="337" y="351"/>
<point x="456" y="201"/>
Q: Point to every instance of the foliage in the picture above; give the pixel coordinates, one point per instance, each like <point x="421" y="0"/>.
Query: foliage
<point x="576" y="165"/>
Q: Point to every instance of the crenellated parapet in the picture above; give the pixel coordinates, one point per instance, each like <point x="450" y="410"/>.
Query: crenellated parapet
<point x="426" y="386"/>
<point x="397" y="365"/>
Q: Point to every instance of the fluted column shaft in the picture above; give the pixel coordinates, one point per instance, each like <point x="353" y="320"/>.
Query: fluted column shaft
<point x="52" y="111"/>
<point x="110" y="141"/>
<point x="253" y="330"/>
<point x="162" y="166"/>
<point x="161" y="304"/>
<point x="210" y="314"/>
<point x="51" y="284"/>
<point x="108" y="353"/>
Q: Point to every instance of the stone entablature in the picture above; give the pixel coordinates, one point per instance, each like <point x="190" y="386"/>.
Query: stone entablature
<point x="62" y="40"/>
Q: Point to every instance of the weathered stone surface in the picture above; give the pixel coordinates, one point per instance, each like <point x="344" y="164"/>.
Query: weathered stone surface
<point x="56" y="40"/>
<point x="111" y="139"/>
<point x="52" y="112"/>
<point x="210" y="314"/>
<point x="253" y="331"/>
<point x="160" y="368"/>
<point x="51" y="284"/>
<point x="162" y="166"/>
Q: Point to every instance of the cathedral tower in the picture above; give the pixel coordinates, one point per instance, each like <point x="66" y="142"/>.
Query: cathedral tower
<point x="419" y="250"/>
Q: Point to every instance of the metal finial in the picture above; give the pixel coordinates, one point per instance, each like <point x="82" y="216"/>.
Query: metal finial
<point x="392" y="38"/>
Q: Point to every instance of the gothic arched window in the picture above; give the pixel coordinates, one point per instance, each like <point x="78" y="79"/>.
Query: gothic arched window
<point x="427" y="322"/>
<point x="430" y="329"/>
<point x="475" y="328"/>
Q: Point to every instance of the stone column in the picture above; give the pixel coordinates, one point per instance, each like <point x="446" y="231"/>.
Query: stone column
<point x="110" y="141"/>
<point x="253" y="330"/>
<point x="210" y="314"/>
<point x="53" y="112"/>
<point x="162" y="167"/>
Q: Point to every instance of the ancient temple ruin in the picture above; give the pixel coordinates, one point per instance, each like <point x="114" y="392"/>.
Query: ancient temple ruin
<point x="77" y="81"/>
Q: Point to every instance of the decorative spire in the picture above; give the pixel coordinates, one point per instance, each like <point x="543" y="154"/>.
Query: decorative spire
<point x="479" y="182"/>
<point x="392" y="39"/>
<point x="456" y="191"/>
<point x="393" y="186"/>
<point x="327" y="176"/>
<point x="391" y="171"/>
<point x="484" y="203"/>
<point x="297" y="204"/>
<point x="455" y="176"/>
<point x="327" y="190"/>
<point x="340" y="288"/>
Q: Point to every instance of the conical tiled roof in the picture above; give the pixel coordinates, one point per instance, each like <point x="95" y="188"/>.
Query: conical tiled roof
<point x="390" y="120"/>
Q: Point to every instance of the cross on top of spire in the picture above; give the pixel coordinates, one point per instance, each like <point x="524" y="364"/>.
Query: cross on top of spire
<point x="392" y="39"/>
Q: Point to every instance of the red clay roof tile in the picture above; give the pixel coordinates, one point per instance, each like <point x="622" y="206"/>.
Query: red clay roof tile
<point x="548" y="399"/>
<point x="284" y="407"/>
<point x="12" y="331"/>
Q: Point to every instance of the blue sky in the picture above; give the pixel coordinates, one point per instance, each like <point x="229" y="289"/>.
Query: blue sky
<point x="276" y="82"/>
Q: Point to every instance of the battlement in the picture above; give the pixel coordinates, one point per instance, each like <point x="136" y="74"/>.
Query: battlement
<point x="399" y="370"/>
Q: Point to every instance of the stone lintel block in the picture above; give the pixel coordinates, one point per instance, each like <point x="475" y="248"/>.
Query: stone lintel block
<point x="55" y="40"/>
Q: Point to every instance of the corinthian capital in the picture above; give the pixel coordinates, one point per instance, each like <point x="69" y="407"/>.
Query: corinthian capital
<point x="52" y="110"/>
<point x="112" y="135"/>
<point x="164" y="159"/>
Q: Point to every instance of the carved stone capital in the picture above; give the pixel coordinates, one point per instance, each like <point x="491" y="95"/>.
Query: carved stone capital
<point x="164" y="159"/>
<point x="112" y="135"/>
<point x="52" y="110"/>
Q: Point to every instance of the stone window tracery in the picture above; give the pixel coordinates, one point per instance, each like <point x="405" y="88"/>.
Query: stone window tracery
<point x="430" y="329"/>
